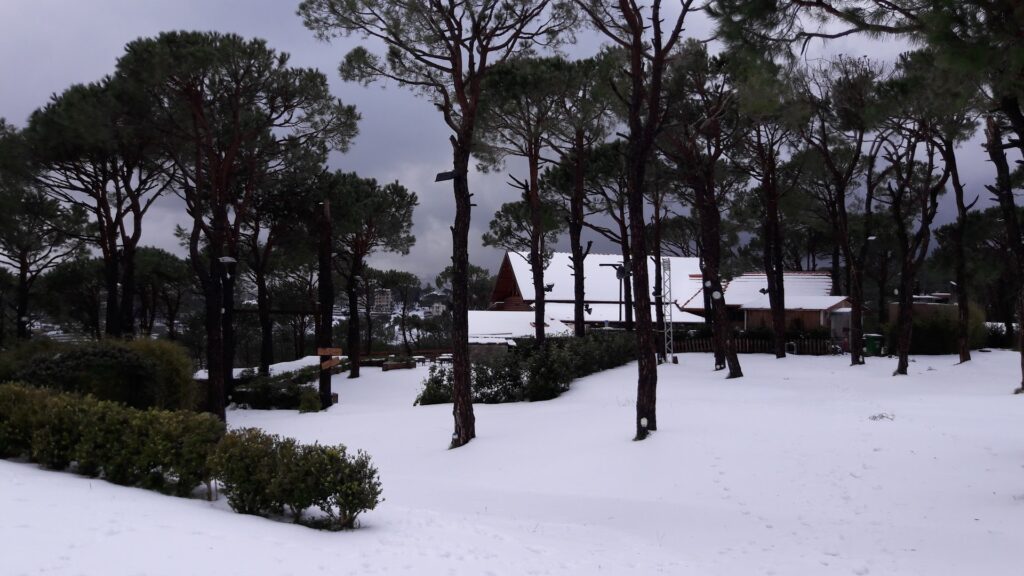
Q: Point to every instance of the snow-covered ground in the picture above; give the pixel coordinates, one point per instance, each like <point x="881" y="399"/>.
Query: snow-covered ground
<point x="782" y="472"/>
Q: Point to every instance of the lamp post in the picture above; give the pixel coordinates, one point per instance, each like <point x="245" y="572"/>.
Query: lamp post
<point x="621" y="272"/>
<point x="227" y="316"/>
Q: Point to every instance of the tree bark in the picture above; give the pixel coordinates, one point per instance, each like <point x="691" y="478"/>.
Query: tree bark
<point x="904" y="320"/>
<point x="228" y="317"/>
<point x="576" y="234"/>
<point x="111" y="278"/>
<point x="711" y="254"/>
<point x="536" y="246"/>
<point x="462" y="396"/>
<point x="352" y="290"/>
<point x="1003" y="191"/>
<point x="325" y="288"/>
<point x="127" y="298"/>
<point x="960" y="259"/>
<point x="22" y="303"/>
<point x="266" y="324"/>
<point x="773" y="268"/>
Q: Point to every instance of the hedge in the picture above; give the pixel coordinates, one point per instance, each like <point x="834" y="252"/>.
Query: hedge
<point x="141" y="373"/>
<point x="265" y="474"/>
<point x="177" y="451"/>
<point x="533" y="373"/>
<point x="153" y="448"/>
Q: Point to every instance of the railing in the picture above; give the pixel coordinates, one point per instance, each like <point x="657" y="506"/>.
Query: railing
<point x="801" y="347"/>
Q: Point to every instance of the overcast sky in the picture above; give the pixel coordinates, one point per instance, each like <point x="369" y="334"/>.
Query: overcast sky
<point x="47" y="45"/>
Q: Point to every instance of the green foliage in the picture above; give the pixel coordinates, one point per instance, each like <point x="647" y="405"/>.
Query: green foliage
<point x="152" y="449"/>
<point x="309" y="400"/>
<point x="284" y="391"/>
<point x="26" y="353"/>
<point x="532" y="373"/>
<point x="437" y="387"/>
<point x="21" y="410"/>
<point x="246" y="464"/>
<point x="264" y="474"/>
<point x="141" y="374"/>
<point x="937" y="333"/>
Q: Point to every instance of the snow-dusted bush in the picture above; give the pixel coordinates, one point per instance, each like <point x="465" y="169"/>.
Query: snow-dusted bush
<point x="246" y="464"/>
<point x="264" y="474"/>
<point x="126" y="446"/>
<point x="20" y="412"/>
<point x="142" y="374"/>
<point x="532" y="373"/>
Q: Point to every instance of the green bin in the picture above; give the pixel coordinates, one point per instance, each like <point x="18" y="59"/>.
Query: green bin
<point x="872" y="344"/>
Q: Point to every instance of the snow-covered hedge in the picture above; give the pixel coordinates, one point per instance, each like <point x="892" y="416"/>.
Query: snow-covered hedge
<point x="265" y="474"/>
<point x="532" y="373"/>
<point x="154" y="449"/>
<point x="178" y="451"/>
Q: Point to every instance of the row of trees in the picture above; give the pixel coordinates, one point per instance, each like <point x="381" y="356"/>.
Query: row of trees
<point x="654" y="143"/>
<point x="855" y="145"/>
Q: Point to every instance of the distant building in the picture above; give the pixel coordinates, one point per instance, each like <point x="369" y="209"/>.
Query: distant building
<point x="383" y="302"/>
<point x="808" y="299"/>
<point x="808" y="302"/>
<point x="513" y="288"/>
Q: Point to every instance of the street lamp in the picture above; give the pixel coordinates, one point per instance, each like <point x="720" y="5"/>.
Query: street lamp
<point x="621" y="273"/>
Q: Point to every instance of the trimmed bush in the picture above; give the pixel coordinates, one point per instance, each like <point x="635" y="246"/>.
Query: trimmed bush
<point x="264" y="474"/>
<point x="21" y="410"/>
<point x="152" y="449"/>
<point x="141" y="374"/>
<point x="532" y="373"/>
<point x="309" y="400"/>
<point x="246" y="463"/>
<point x="282" y="391"/>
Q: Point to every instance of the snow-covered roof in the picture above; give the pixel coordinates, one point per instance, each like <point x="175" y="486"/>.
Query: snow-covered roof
<point x="803" y="291"/>
<point x="601" y="283"/>
<point x="610" y="313"/>
<point x="504" y="324"/>
<point x="796" y="302"/>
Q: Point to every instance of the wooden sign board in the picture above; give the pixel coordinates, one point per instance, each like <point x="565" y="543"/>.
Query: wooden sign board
<point x="328" y="351"/>
<point x="328" y="364"/>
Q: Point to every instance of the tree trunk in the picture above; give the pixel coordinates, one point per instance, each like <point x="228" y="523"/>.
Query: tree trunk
<point x="883" y="288"/>
<point x="773" y="269"/>
<point x="228" y="316"/>
<point x="1003" y="191"/>
<point x="960" y="260"/>
<point x="536" y="246"/>
<point x="368" y="307"/>
<point x="659" y="296"/>
<point x="836" y="271"/>
<point x="111" y="280"/>
<point x="325" y="288"/>
<point x="352" y="290"/>
<point x="576" y="235"/>
<point x="266" y="323"/>
<point x="213" y="301"/>
<point x="711" y="244"/>
<point x="905" y="320"/>
<point x="462" y="396"/>
<point x="627" y="286"/>
<point x="856" y="315"/>
<point x="127" y="299"/>
<point x="21" y="303"/>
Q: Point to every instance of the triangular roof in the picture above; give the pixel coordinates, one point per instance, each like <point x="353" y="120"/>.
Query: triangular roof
<point x="602" y="285"/>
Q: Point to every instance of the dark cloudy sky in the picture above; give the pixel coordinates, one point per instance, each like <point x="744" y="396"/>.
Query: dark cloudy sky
<point x="47" y="45"/>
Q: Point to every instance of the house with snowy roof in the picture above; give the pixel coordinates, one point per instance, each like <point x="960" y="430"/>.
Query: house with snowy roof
<point x="603" y="298"/>
<point x="808" y="300"/>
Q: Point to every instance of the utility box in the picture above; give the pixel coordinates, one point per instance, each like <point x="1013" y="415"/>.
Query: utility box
<point x="873" y="344"/>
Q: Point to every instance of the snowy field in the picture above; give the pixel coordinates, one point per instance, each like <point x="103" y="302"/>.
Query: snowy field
<point x="782" y="472"/>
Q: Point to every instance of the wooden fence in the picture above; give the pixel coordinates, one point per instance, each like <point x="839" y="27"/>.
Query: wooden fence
<point x="816" y="347"/>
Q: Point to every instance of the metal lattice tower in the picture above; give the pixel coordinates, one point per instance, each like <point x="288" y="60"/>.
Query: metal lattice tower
<point x="666" y="302"/>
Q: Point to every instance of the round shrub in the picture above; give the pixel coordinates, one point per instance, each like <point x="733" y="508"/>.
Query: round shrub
<point x="172" y="387"/>
<point x="246" y="464"/>
<point x="21" y="410"/>
<point x="309" y="400"/>
<point x="59" y="430"/>
<point x="180" y="444"/>
<point x="437" y="387"/>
